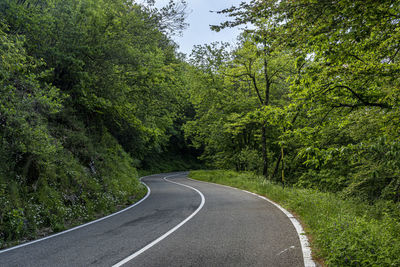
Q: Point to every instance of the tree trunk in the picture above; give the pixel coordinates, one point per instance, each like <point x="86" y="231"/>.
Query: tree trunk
<point x="276" y="167"/>
<point x="283" y="167"/>
<point x="266" y="103"/>
<point x="264" y="151"/>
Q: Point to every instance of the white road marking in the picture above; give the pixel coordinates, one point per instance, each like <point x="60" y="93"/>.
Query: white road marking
<point x="83" y="225"/>
<point x="305" y="245"/>
<point x="137" y="253"/>
<point x="283" y="251"/>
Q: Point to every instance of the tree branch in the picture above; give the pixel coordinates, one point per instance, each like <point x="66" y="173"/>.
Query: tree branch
<point x="360" y="98"/>
<point x="253" y="78"/>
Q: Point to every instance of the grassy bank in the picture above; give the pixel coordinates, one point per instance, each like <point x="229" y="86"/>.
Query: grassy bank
<point x="66" y="192"/>
<point x="343" y="232"/>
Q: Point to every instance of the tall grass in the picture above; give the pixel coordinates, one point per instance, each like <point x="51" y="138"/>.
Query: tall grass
<point x="343" y="232"/>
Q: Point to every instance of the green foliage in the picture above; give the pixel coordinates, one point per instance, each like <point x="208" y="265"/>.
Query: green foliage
<point x="92" y="90"/>
<point x="344" y="232"/>
<point x="231" y="98"/>
<point x="325" y="76"/>
<point x="89" y="90"/>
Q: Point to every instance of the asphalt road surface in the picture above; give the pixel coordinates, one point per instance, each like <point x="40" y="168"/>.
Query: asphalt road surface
<point x="181" y="223"/>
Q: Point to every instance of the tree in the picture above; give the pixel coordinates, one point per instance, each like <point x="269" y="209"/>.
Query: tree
<point x="82" y="84"/>
<point x="346" y="67"/>
<point x="266" y="46"/>
<point x="230" y="103"/>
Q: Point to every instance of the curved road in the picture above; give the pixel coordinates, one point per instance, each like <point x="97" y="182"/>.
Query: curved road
<point x="181" y="223"/>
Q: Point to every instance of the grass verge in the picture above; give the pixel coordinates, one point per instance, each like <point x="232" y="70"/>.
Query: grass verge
<point x="344" y="232"/>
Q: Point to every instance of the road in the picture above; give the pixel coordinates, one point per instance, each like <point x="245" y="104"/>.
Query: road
<point x="182" y="222"/>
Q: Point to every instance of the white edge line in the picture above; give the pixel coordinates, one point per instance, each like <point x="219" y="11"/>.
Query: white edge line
<point x="83" y="225"/>
<point x="137" y="253"/>
<point x="305" y="245"/>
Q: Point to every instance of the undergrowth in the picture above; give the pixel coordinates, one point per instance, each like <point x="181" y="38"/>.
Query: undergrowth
<point x="169" y="162"/>
<point x="86" y="178"/>
<point x="345" y="232"/>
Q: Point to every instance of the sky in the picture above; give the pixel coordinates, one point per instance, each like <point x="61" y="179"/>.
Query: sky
<point x="200" y="18"/>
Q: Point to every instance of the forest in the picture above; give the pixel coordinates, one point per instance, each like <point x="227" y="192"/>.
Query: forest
<point x="91" y="91"/>
<point x="94" y="91"/>
<point x="312" y="101"/>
